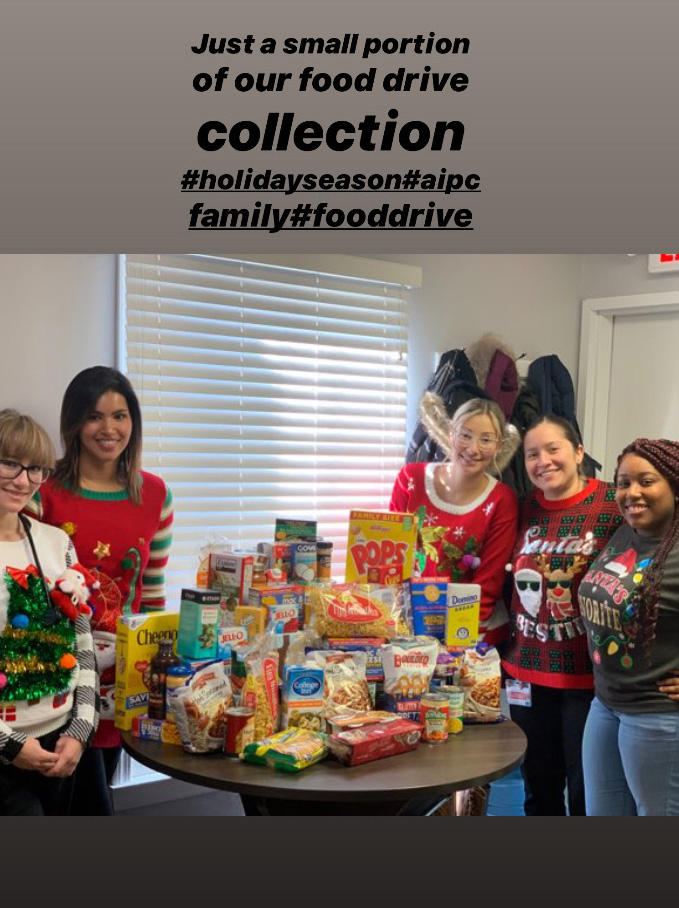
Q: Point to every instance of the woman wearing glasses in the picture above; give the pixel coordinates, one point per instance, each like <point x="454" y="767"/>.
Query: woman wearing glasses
<point x="119" y="518"/>
<point x="467" y="517"/>
<point x="565" y="522"/>
<point x="48" y="702"/>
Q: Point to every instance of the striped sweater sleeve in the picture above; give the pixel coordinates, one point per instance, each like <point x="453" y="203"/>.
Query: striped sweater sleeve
<point x="85" y="712"/>
<point x="153" y="578"/>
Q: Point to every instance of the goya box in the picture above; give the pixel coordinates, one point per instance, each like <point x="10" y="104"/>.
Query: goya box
<point x="231" y="574"/>
<point x="462" y="614"/>
<point x="198" y="614"/>
<point x="428" y="600"/>
<point x="303" y="698"/>
<point x="379" y="537"/>
<point x="136" y="643"/>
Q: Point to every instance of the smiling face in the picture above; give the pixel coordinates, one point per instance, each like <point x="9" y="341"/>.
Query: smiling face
<point x="474" y="442"/>
<point x="552" y="462"/>
<point x="16" y="493"/>
<point x="107" y="430"/>
<point x="644" y="496"/>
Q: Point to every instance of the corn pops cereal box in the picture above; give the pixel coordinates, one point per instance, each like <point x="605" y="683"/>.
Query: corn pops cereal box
<point x="136" y="643"/>
<point x="379" y="537"/>
<point x="462" y="614"/>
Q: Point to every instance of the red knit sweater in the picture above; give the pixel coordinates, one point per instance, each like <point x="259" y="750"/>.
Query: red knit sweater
<point x="556" y="543"/>
<point x="126" y="546"/>
<point x="485" y="529"/>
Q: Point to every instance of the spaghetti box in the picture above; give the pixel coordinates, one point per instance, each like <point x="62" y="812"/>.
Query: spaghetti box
<point x="379" y="537"/>
<point x="198" y="614"/>
<point x="231" y="574"/>
<point x="462" y="614"/>
<point x="428" y="600"/>
<point x="371" y="646"/>
<point x="137" y="642"/>
<point x="284" y="604"/>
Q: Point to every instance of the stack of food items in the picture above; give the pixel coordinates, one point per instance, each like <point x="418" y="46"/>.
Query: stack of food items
<point x="279" y="673"/>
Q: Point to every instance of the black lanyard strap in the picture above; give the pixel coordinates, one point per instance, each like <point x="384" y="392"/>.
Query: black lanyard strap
<point x="52" y="615"/>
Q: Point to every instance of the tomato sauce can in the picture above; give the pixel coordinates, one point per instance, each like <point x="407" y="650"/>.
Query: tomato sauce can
<point x="240" y="730"/>
<point x="434" y="717"/>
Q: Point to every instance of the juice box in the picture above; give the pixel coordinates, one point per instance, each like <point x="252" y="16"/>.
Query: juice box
<point x="428" y="600"/>
<point x="379" y="537"/>
<point x="136" y="643"/>
<point x="198" y="614"/>
<point x="231" y="575"/>
<point x="462" y="614"/>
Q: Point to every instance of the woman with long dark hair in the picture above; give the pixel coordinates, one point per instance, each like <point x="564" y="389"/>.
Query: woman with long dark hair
<point x="119" y="518"/>
<point x="629" y="601"/>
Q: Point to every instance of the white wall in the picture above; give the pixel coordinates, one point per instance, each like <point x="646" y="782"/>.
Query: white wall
<point x="58" y="316"/>
<point x="620" y="275"/>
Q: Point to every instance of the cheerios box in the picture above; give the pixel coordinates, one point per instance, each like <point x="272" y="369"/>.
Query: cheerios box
<point x="137" y="642"/>
<point x="462" y="614"/>
<point x="379" y="537"/>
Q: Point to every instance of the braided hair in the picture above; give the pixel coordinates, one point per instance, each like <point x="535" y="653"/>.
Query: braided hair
<point x="664" y="456"/>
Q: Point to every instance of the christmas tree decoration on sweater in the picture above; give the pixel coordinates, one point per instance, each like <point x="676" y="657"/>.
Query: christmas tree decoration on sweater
<point x="36" y="651"/>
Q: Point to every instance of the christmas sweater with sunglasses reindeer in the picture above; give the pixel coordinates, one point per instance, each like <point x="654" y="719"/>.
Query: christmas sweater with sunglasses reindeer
<point x="556" y="543"/>
<point x="465" y="543"/>
<point x="126" y="547"/>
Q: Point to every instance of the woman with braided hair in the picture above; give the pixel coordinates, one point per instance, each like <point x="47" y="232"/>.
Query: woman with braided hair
<point x="629" y="601"/>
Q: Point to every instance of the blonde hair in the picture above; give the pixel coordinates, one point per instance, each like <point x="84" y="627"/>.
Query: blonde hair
<point x="22" y="438"/>
<point x="441" y="427"/>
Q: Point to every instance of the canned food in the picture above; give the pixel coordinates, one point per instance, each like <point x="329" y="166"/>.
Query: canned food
<point x="240" y="729"/>
<point x="324" y="560"/>
<point x="455" y="707"/>
<point x="434" y="717"/>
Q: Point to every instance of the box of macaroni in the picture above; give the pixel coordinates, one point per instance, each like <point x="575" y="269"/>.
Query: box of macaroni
<point x="379" y="537"/>
<point x="136" y="643"/>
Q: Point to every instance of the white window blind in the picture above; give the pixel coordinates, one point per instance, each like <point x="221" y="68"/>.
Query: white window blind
<point x="266" y="392"/>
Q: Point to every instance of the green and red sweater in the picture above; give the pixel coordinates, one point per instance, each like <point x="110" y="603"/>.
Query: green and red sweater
<point x="126" y="546"/>
<point x="556" y="543"/>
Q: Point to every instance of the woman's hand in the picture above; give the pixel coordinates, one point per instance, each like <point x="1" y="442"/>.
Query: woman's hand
<point x="68" y="752"/>
<point x="33" y="756"/>
<point x="670" y="685"/>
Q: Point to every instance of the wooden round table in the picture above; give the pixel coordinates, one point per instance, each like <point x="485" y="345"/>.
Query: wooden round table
<point x="405" y="784"/>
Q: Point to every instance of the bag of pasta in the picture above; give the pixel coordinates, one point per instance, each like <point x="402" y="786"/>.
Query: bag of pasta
<point x="199" y="709"/>
<point x="480" y="678"/>
<point x="260" y="691"/>
<point x="357" y="610"/>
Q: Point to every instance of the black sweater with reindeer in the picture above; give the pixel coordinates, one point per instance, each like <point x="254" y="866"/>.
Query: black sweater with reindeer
<point x="556" y="543"/>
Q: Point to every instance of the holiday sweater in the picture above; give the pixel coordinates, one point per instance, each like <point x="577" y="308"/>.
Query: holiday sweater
<point x="126" y="546"/>
<point x="610" y="605"/>
<point x="556" y="543"/>
<point x="484" y="530"/>
<point x="75" y="708"/>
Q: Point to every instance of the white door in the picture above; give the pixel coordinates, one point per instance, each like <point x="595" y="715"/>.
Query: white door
<point x="628" y="383"/>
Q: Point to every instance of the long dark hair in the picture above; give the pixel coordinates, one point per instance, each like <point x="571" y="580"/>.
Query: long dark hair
<point x="568" y="430"/>
<point x="79" y="401"/>
<point x="664" y="456"/>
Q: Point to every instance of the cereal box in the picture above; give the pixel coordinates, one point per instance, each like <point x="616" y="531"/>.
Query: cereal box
<point x="137" y="641"/>
<point x="303" y="699"/>
<point x="231" y="574"/>
<point x="386" y="573"/>
<point x="428" y="601"/>
<point x="462" y="614"/>
<point x="379" y="537"/>
<point x="198" y="613"/>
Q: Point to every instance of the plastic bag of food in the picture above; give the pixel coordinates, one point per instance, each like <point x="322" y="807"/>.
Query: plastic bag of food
<point x="260" y="691"/>
<point x="291" y="750"/>
<point x="480" y="678"/>
<point x="199" y="709"/>
<point x="357" y="610"/>
<point x="409" y="664"/>
<point x="345" y="680"/>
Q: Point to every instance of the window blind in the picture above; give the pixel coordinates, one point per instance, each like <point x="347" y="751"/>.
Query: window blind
<point x="266" y="391"/>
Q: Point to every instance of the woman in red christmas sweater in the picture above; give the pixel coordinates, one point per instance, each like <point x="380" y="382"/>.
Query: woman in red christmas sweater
<point x="565" y="523"/>
<point x="467" y="517"/>
<point x="120" y="520"/>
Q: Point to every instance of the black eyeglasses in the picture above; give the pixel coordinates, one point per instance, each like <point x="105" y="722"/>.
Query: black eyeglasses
<point x="11" y="469"/>
<point x="523" y="585"/>
<point x="564" y="584"/>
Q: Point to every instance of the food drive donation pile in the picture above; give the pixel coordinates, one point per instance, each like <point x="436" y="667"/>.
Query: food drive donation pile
<point x="278" y="665"/>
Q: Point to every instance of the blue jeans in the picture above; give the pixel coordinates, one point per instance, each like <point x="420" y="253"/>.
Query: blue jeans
<point x="631" y="763"/>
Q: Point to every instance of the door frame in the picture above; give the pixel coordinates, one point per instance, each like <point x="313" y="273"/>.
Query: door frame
<point x="596" y="352"/>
